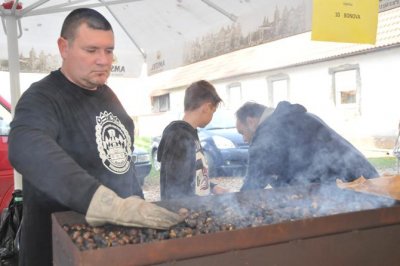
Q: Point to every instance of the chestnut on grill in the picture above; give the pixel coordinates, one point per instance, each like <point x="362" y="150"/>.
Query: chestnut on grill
<point x="288" y="207"/>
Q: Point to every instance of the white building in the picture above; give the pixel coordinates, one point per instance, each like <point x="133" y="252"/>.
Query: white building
<point x="353" y="87"/>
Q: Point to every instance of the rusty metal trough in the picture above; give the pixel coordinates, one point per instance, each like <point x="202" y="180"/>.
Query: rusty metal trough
<point x="347" y="228"/>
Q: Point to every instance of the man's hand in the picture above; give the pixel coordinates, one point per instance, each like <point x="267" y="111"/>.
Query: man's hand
<point x="107" y="207"/>
<point x="217" y="189"/>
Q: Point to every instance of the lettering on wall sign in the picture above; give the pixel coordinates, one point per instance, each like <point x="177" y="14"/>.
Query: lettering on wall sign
<point x="118" y="69"/>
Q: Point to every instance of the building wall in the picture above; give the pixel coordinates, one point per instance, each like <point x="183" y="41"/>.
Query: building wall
<point x="311" y="85"/>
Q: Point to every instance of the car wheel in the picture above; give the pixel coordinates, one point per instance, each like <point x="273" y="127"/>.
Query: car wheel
<point x="156" y="164"/>
<point x="212" y="171"/>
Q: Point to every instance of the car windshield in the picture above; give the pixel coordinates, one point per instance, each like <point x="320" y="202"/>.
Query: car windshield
<point x="222" y="119"/>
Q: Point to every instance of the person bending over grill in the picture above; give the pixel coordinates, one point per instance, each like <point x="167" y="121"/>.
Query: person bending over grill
<point x="72" y="140"/>
<point x="184" y="170"/>
<point x="290" y="146"/>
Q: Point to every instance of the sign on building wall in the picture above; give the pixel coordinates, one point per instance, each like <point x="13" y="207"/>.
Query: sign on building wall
<point x="267" y="21"/>
<point x="353" y="21"/>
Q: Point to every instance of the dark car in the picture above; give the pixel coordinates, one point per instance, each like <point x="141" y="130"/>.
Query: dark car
<point x="224" y="148"/>
<point x="142" y="161"/>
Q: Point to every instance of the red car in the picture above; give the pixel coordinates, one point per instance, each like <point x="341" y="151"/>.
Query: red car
<point x="6" y="170"/>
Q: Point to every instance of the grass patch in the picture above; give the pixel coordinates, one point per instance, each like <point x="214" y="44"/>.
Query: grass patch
<point x="143" y="142"/>
<point x="382" y="163"/>
<point x="154" y="176"/>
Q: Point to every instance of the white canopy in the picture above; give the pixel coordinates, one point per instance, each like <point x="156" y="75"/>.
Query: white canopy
<point x="163" y="34"/>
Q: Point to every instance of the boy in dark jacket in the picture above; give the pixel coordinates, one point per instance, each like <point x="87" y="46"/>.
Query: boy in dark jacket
<point x="289" y="146"/>
<point x="184" y="170"/>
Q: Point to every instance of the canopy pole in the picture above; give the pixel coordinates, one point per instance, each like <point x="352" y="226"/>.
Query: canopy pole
<point x="231" y="16"/>
<point x="13" y="66"/>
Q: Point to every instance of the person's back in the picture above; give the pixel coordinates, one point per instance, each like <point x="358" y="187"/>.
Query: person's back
<point x="294" y="147"/>
<point x="184" y="170"/>
<point x="177" y="152"/>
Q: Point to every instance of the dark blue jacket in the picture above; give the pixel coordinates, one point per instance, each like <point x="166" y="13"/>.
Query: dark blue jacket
<point x="294" y="147"/>
<point x="184" y="172"/>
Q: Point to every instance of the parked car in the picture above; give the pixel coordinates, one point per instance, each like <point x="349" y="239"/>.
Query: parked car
<point x="140" y="157"/>
<point x="155" y="141"/>
<point x="142" y="161"/>
<point x="6" y="170"/>
<point x="224" y="148"/>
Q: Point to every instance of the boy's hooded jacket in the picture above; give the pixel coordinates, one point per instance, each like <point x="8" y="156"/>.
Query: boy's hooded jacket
<point x="184" y="171"/>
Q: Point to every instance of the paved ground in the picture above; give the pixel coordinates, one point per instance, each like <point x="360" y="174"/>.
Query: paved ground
<point x="152" y="192"/>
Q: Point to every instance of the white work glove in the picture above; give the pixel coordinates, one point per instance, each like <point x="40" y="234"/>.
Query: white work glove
<point x="107" y="207"/>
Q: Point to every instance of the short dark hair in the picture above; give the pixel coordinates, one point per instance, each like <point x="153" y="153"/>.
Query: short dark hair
<point x="90" y="17"/>
<point x="198" y="93"/>
<point x="250" y="109"/>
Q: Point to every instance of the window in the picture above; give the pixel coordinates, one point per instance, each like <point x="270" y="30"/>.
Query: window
<point x="160" y="103"/>
<point x="346" y="87"/>
<point x="234" y="92"/>
<point x="278" y="89"/>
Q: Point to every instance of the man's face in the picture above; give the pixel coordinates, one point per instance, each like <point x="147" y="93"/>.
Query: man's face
<point x="247" y="128"/>
<point x="208" y="110"/>
<point x="87" y="59"/>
